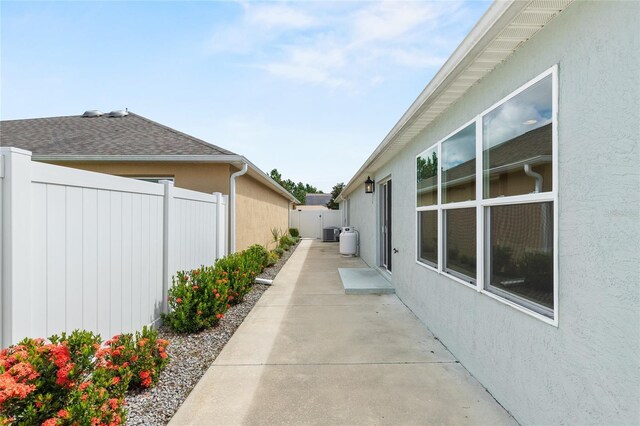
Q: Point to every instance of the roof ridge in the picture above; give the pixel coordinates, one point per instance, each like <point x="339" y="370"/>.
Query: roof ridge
<point x="178" y="132"/>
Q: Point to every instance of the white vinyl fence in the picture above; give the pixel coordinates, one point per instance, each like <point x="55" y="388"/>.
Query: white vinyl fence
<point x="83" y="250"/>
<point x="311" y="222"/>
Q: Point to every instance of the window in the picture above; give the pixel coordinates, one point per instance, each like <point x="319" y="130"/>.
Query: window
<point x="486" y="211"/>
<point x="428" y="224"/>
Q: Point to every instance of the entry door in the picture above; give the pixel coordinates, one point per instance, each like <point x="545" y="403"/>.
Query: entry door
<point x="385" y="225"/>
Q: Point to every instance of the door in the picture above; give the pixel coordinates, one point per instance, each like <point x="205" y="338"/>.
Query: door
<point x="385" y="225"/>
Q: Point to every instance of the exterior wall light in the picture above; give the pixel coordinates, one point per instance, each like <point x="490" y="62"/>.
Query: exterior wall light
<point x="369" y="185"/>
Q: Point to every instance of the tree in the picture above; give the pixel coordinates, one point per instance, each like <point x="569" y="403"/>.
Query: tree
<point x="335" y="191"/>
<point x="298" y="190"/>
<point x="427" y="168"/>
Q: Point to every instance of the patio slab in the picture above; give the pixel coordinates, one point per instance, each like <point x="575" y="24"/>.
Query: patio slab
<point x="309" y="354"/>
<point x="364" y="281"/>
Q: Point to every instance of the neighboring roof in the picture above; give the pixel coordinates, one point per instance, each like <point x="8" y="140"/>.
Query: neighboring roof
<point x="129" y="138"/>
<point x="97" y="136"/>
<point x="499" y="33"/>
<point x="317" y="199"/>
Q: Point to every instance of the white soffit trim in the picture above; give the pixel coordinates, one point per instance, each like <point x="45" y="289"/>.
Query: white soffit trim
<point x="504" y="27"/>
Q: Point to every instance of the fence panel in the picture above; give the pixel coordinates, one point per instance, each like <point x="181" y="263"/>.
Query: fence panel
<point x="87" y="250"/>
<point x="311" y="222"/>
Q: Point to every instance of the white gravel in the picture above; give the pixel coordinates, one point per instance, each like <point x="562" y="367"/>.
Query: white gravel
<point x="190" y="357"/>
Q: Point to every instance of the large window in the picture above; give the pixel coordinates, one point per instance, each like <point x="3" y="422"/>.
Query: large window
<point x="486" y="201"/>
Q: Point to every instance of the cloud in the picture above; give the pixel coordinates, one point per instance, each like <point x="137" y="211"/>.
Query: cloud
<point x="346" y="45"/>
<point x="526" y="111"/>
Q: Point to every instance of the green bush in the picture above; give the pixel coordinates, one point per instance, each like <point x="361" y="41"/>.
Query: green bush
<point x="197" y="300"/>
<point x="237" y="268"/>
<point x="272" y="259"/>
<point x="258" y="257"/>
<point x="294" y="232"/>
<point x="279" y="251"/>
<point x="286" y="242"/>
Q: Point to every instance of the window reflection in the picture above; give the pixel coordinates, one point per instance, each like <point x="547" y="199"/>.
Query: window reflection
<point x="428" y="229"/>
<point x="517" y="139"/>
<point x="427" y="171"/>
<point x="459" y="166"/>
<point x="520" y="261"/>
<point x="460" y="253"/>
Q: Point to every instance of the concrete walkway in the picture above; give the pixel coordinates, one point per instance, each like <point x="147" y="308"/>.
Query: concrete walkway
<point x="309" y="354"/>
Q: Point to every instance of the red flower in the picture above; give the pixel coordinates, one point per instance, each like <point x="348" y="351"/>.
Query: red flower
<point x="230" y="297"/>
<point x="50" y="422"/>
<point x="63" y="413"/>
<point x="179" y="300"/>
<point x="219" y="316"/>
<point x="114" y="403"/>
<point x="62" y="376"/>
<point x="145" y="374"/>
<point x="115" y="380"/>
<point x="199" y="312"/>
<point x="195" y="287"/>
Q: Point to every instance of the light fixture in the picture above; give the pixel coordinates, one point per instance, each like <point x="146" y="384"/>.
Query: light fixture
<point x="530" y="122"/>
<point x="369" y="185"/>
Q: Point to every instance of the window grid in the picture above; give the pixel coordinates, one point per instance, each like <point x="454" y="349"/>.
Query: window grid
<point x="482" y="205"/>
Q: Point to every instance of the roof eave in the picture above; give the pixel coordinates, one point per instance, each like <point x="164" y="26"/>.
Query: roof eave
<point x="499" y="16"/>
<point x="214" y="158"/>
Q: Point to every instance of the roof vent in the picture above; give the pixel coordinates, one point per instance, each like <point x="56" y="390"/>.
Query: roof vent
<point x="93" y="113"/>
<point x="118" y="113"/>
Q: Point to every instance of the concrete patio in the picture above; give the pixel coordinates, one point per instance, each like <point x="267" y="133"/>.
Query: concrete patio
<point x="309" y="354"/>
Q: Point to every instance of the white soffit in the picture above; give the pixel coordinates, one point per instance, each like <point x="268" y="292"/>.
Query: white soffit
<point x="529" y="18"/>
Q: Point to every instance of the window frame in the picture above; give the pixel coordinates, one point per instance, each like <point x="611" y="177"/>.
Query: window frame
<point x="482" y="205"/>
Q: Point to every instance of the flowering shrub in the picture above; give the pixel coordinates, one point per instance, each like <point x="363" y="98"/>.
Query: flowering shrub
<point x="197" y="300"/>
<point x="73" y="379"/>
<point x="137" y="359"/>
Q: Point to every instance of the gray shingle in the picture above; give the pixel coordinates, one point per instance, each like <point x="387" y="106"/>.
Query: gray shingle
<point x="77" y="135"/>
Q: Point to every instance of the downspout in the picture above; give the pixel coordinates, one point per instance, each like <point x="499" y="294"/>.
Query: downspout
<point x="232" y="206"/>
<point x="536" y="176"/>
<point x="547" y="243"/>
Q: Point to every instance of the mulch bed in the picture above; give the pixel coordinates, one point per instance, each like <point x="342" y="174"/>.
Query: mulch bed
<point x="190" y="357"/>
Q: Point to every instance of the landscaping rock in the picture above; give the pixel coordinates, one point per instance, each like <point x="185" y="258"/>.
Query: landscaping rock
<point x="190" y="357"/>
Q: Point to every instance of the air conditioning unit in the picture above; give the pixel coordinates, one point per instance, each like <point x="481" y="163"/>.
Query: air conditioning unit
<point x="331" y="234"/>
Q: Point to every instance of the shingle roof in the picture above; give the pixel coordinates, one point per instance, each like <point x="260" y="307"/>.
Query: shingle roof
<point x="77" y="135"/>
<point x="317" y="199"/>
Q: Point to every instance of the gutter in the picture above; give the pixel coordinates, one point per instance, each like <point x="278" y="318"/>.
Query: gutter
<point x="232" y="206"/>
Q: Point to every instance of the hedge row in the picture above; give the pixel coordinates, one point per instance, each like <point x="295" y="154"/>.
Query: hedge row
<point x="199" y="298"/>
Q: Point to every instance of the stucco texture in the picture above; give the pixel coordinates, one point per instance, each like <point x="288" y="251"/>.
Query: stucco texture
<point x="586" y="370"/>
<point x="201" y="177"/>
<point x="258" y="210"/>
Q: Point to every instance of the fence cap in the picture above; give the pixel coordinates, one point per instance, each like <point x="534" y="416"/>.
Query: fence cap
<point x="14" y="150"/>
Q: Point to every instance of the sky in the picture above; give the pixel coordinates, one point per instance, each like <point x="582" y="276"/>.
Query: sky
<point x="309" y="87"/>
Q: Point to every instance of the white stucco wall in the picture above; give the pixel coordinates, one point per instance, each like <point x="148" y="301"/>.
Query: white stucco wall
<point x="587" y="370"/>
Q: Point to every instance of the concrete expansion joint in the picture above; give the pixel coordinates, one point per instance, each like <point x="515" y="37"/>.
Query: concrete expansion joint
<point x="313" y="364"/>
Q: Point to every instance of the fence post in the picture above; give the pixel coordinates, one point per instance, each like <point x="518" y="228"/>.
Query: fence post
<point x="220" y="234"/>
<point x="167" y="243"/>
<point x="15" y="300"/>
<point x="225" y="225"/>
